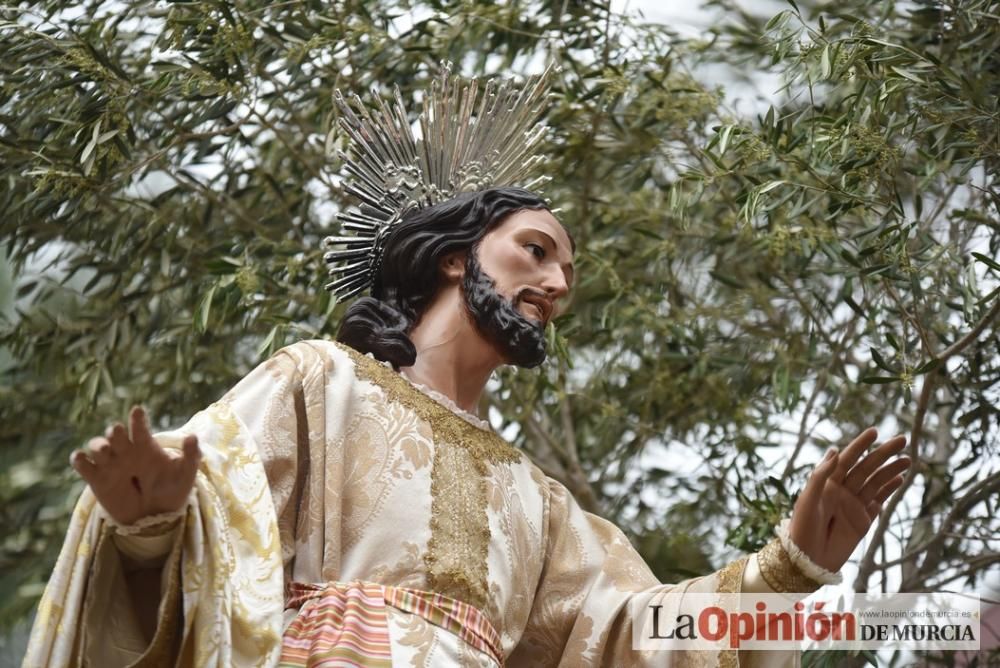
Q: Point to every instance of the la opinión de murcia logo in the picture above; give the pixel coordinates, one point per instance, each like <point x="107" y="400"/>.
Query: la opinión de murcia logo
<point x="774" y="621"/>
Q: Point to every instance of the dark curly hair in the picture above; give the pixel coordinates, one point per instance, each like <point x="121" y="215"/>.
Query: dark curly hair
<point x="410" y="273"/>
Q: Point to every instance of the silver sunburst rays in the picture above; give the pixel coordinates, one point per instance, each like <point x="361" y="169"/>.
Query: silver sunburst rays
<point x="470" y="139"/>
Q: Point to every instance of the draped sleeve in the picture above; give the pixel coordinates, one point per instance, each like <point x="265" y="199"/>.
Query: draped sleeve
<point x="222" y="584"/>
<point x="580" y="616"/>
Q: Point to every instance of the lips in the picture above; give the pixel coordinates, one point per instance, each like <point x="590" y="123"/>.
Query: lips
<point x="542" y="305"/>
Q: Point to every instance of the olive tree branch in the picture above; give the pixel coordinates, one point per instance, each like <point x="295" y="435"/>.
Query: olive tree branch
<point x="976" y="565"/>
<point x="867" y="565"/>
<point x="979" y="492"/>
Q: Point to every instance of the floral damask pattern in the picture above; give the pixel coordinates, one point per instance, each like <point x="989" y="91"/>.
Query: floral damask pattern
<point x="361" y="477"/>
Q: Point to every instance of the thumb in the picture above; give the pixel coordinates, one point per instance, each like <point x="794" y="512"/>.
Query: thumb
<point x="86" y="468"/>
<point x="813" y="492"/>
<point x="192" y="455"/>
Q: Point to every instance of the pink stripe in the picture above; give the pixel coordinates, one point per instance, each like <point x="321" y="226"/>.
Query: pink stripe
<point x="346" y="626"/>
<point x="350" y="618"/>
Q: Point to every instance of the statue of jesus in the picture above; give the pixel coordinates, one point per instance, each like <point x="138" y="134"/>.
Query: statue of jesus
<point x="344" y="504"/>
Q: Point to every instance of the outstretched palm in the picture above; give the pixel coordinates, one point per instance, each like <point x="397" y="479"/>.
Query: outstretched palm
<point x="844" y="496"/>
<point x="132" y="476"/>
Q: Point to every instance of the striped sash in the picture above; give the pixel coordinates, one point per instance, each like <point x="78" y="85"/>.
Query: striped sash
<point x="347" y="626"/>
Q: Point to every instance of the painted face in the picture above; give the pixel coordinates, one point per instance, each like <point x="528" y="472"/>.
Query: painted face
<point x="529" y="256"/>
<point x="530" y="269"/>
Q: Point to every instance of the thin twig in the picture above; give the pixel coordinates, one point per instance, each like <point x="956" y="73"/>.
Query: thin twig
<point x="973" y="334"/>
<point x="867" y="564"/>
<point x="803" y="432"/>
<point x="976" y="566"/>
<point x="928" y="349"/>
<point x="866" y="567"/>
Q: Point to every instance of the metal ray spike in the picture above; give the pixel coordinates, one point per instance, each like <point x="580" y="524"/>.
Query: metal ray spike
<point x="345" y="282"/>
<point x="342" y="255"/>
<point x="471" y="137"/>
<point x="357" y="242"/>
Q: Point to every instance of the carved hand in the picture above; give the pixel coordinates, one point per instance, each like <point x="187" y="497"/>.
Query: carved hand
<point x="844" y="496"/>
<point x="132" y="476"/>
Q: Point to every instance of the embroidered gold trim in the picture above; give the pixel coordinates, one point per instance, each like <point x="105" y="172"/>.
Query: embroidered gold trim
<point x="781" y="573"/>
<point x="730" y="582"/>
<point x="481" y="443"/>
<point x="458" y="549"/>
<point x="458" y="537"/>
<point x="731" y="576"/>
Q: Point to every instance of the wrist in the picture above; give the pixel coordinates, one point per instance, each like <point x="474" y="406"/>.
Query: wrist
<point x="786" y="568"/>
<point x="146" y="542"/>
<point x="150" y="525"/>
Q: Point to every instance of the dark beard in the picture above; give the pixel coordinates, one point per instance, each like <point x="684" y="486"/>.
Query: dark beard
<point x="520" y="340"/>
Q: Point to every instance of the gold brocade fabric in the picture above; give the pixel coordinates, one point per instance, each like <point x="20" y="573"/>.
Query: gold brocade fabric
<point x="460" y="534"/>
<point x="730" y="582"/>
<point x="325" y="466"/>
<point x="778" y="570"/>
<point x="224" y="571"/>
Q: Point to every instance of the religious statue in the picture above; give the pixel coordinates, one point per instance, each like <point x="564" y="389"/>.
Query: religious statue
<point x="345" y="505"/>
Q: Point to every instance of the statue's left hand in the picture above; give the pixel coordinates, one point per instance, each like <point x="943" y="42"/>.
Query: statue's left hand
<point x="844" y="496"/>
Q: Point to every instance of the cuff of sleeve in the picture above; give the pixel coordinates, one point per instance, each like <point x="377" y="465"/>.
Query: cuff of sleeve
<point x="799" y="558"/>
<point x="151" y="525"/>
<point x="146" y="542"/>
<point x="787" y="569"/>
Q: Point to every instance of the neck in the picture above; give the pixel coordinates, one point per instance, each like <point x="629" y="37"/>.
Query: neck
<point x="452" y="357"/>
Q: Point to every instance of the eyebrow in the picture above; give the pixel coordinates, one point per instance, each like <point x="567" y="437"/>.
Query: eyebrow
<point x="568" y="269"/>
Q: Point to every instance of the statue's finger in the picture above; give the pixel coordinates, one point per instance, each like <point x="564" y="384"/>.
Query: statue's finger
<point x="887" y="490"/>
<point x="878" y="479"/>
<point x="853" y="451"/>
<point x="809" y="500"/>
<point x="86" y="468"/>
<point x="190" y="459"/>
<point x="100" y="451"/>
<point x="863" y="470"/>
<point x="139" y="427"/>
<point x="117" y="437"/>
<point x="192" y="453"/>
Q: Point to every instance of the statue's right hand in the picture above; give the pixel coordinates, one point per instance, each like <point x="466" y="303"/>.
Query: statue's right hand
<point x="132" y="476"/>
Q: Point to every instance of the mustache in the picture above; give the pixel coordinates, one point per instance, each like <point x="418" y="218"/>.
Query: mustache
<point x="535" y="296"/>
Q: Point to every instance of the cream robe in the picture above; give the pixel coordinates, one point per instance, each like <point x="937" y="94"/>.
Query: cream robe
<point x="367" y="479"/>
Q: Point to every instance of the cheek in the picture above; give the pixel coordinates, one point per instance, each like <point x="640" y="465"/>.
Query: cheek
<point x="508" y="267"/>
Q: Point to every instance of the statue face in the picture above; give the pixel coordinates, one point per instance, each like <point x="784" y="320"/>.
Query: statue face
<point x="529" y="256"/>
<point x="513" y="283"/>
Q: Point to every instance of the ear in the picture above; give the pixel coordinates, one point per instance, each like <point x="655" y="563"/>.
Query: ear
<point x="453" y="266"/>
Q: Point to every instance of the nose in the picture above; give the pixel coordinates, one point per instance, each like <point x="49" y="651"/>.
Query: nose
<point x="555" y="284"/>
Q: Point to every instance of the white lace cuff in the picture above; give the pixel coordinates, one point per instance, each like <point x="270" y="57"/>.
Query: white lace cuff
<point x="151" y="525"/>
<point x="146" y="542"/>
<point x="809" y="568"/>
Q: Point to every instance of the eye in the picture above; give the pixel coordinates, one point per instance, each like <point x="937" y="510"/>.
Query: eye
<point x="536" y="250"/>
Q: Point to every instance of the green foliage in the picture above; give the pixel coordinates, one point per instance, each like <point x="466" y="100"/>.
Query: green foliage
<point x="750" y="284"/>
